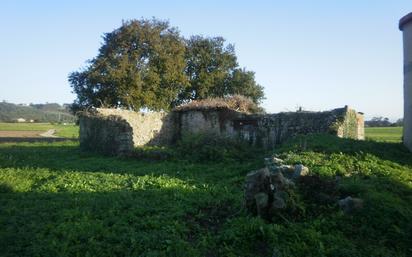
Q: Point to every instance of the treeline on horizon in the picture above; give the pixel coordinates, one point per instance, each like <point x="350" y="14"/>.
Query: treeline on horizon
<point x="383" y="122"/>
<point x="48" y="112"/>
<point x="56" y="113"/>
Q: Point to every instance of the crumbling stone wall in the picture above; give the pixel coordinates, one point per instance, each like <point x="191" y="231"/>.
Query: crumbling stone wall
<point x="268" y="130"/>
<point x="120" y="130"/>
<point x="106" y="134"/>
<point x="350" y="125"/>
<point x="214" y="121"/>
<point x="115" y="131"/>
<point x="151" y="128"/>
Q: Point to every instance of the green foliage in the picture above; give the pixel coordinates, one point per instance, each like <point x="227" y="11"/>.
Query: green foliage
<point x="383" y="122"/>
<point x="147" y="64"/>
<point x="202" y="148"/>
<point x="210" y="147"/>
<point x="139" y="65"/>
<point x="154" y="153"/>
<point x="213" y="71"/>
<point x="243" y="82"/>
<point x="209" y="65"/>
<point x="58" y="201"/>
<point x="350" y="125"/>
<point x="346" y="125"/>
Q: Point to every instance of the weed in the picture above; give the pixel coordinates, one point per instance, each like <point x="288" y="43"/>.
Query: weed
<point x="214" y="148"/>
<point x="59" y="201"/>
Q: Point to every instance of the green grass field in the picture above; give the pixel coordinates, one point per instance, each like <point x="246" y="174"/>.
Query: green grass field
<point x="67" y="131"/>
<point x="56" y="200"/>
<point x="384" y="134"/>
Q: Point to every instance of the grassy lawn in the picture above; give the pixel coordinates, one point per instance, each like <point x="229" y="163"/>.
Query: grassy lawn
<point x="384" y="134"/>
<point x="58" y="201"/>
<point x="68" y="131"/>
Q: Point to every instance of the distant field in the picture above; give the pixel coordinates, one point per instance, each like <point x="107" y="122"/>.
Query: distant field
<point x="384" y="134"/>
<point x="68" y="131"/>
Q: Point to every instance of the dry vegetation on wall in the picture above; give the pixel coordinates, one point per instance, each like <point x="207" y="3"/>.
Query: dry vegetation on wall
<point x="236" y="102"/>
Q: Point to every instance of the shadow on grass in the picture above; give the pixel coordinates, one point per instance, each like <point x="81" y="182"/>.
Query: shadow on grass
<point x="395" y="152"/>
<point x="35" y="139"/>
<point x="176" y="221"/>
<point x="67" y="157"/>
<point x="142" y="222"/>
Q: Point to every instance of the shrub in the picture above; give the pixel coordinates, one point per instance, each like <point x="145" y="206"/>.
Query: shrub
<point x="5" y="188"/>
<point x="153" y="153"/>
<point x="214" y="148"/>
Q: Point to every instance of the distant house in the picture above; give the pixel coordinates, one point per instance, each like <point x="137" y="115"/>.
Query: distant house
<point x="21" y="120"/>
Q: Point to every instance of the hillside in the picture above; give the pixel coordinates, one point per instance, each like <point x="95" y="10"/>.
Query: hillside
<point x="52" y="112"/>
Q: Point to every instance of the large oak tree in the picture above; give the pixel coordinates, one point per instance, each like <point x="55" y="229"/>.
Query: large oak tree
<point x="139" y="65"/>
<point x="147" y="64"/>
<point x="213" y="71"/>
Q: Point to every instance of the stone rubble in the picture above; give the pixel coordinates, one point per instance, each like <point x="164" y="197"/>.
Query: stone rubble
<point x="350" y="205"/>
<point x="268" y="190"/>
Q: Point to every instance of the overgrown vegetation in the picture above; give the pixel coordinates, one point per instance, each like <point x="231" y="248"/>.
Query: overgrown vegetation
<point x="58" y="201"/>
<point x="212" y="148"/>
<point x="202" y="148"/>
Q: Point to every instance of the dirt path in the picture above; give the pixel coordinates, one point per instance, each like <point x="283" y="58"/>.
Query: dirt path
<point x="30" y="136"/>
<point x="14" y="133"/>
<point x="49" y="133"/>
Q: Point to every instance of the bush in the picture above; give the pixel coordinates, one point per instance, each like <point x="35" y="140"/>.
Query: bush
<point x="5" y="188"/>
<point x="153" y="153"/>
<point x="214" y="148"/>
<point x="201" y="148"/>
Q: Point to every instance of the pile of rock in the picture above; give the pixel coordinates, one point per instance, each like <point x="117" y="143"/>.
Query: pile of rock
<point x="269" y="190"/>
<point x="350" y="204"/>
<point x="292" y="172"/>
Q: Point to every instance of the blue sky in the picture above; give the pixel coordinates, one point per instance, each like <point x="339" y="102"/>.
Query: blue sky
<point x="315" y="54"/>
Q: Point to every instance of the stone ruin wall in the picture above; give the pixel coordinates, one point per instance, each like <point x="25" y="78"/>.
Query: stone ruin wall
<point x="98" y="131"/>
<point x="269" y="130"/>
<point x="117" y="132"/>
<point x="106" y="134"/>
<point x="152" y="128"/>
<point x="214" y="121"/>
